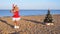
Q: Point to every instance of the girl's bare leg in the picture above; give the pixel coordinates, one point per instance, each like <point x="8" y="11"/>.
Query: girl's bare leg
<point x="16" y="24"/>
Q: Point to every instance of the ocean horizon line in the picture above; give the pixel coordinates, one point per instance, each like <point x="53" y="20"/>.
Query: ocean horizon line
<point x="31" y="9"/>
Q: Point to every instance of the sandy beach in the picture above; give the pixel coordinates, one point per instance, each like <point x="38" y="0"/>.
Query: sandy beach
<point x="30" y="25"/>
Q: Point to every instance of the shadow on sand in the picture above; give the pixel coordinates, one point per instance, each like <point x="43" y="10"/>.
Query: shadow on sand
<point x="15" y="32"/>
<point x="6" y="23"/>
<point x="10" y="26"/>
<point x="38" y="22"/>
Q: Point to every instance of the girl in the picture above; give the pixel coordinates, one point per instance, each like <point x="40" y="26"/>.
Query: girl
<point x="15" y="16"/>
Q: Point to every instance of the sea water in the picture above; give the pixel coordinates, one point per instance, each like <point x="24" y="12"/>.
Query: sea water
<point x="28" y="12"/>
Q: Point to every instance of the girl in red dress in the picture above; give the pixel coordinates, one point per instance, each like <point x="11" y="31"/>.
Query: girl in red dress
<point x="16" y="16"/>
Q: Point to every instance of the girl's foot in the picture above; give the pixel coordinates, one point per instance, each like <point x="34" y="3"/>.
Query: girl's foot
<point x="16" y="27"/>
